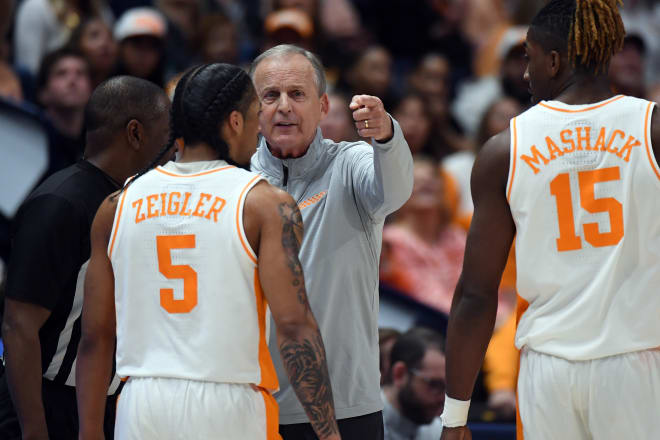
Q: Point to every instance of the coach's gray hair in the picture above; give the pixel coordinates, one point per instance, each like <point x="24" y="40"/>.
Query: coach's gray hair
<point x="284" y="50"/>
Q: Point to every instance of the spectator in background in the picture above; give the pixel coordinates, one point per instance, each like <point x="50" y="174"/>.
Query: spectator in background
<point x="63" y="89"/>
<point x="218" y="40"/>
<point x="459" y="165"/>
<point x="415" y="395"/>
<point x="410" y="28"/>
<point x="10" y="84"/>
<point x="183" y="18"/>
<point x="338" y="125"/>
<point x="422" y="250"/>
<point x="485" y="23"/>
<point x="474" y="96"/>
<point x="289" y="26"/>
<point x="430" y="79"/>
<point x="141" y="33"/>
<point x="43" y="26"/>
<point x="337" y="31"/>
<point x="94" y="39"/>
<point x="386" y="339"/>
<point x="642" y="17"/>
<point x="627" y="68"/>
<point x="128" y="122"/>
<point x="415" y="121"/>
<point x="370" y="73"/>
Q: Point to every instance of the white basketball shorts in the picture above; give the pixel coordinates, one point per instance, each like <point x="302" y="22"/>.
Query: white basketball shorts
<point x="152" y="408"/>
<point x="616" y="397"/>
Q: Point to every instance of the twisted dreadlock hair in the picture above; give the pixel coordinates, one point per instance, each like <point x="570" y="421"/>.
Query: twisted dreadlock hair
<point x="589" y="31"/>
<point x="204" y="97"/>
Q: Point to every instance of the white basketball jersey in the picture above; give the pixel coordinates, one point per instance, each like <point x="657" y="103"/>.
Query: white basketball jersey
<point x="188" y="300"/>
<point x="584" y="191"/>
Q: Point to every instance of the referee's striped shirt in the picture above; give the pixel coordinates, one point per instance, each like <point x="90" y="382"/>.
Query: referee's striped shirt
<point x="50" y="253"/>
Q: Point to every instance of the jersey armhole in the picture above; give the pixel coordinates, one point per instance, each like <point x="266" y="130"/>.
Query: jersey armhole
<point x="115" y="224"/>
<point x="647" y="139"/>
<point x="512" y="161"/>
<point x="239" y="219"/>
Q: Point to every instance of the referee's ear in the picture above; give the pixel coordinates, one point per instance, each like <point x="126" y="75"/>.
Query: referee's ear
<point x="134" y="134"/>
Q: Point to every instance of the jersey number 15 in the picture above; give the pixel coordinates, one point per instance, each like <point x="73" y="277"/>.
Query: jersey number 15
<point x="560" y="188"/>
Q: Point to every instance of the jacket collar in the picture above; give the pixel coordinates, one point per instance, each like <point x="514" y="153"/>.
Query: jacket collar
<point x="297" y="167"/>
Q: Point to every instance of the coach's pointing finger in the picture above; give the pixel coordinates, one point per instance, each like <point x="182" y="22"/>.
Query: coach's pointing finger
<point x="371" y="119"/>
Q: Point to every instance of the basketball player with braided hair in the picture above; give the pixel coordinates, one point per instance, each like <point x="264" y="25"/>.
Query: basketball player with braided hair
<point x="188" y="261"/>
<point x="576" y="180"/>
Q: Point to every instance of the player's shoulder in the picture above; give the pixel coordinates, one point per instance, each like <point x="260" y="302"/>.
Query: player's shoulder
<point x="264" y="195"/>
<point x="108" y="207"/>
<point x="491" y="167"/>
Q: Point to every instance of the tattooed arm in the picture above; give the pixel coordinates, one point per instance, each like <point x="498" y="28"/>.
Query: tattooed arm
<point x="274" y="228"/>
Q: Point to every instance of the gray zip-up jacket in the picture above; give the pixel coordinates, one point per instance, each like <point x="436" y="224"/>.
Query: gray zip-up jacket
<point x="344" y="191"/>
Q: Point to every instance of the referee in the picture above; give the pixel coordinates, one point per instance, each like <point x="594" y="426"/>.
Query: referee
<point x="127" y="124"/>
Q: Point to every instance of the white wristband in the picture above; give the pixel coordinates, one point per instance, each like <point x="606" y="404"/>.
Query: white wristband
<point x="455" y="413"/>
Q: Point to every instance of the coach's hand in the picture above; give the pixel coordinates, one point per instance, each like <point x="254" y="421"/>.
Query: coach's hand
<point x="460" y="433"/>
<point x="371" y="119"/>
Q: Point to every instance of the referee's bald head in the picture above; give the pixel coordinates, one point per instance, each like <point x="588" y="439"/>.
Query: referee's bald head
<point x="117" y="101"/>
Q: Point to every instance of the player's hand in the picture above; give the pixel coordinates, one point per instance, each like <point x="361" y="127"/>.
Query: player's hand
<point x="460" y="433"/>
<point x="371" y="119"/>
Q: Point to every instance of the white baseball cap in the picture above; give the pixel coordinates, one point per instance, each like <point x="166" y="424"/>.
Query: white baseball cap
<point x="140" y="21"/>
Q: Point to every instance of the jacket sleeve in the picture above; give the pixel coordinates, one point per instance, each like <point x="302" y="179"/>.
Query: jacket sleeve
<point x="382" y="174"/>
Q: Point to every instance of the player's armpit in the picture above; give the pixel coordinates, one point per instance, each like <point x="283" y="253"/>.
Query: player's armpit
<point x="94" y="363"/>
<point x="475" y="301"/>
<point x="283" y="283"/>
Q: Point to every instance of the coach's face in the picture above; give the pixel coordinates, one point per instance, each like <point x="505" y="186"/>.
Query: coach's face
<point x="291" y="107"/>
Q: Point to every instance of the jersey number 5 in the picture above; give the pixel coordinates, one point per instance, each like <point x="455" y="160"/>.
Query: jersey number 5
<point x="560" y="187"/>
<point x="164" y="244"/>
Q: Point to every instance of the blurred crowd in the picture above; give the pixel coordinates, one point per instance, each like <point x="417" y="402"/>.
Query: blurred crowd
<point x="450" y="71"/>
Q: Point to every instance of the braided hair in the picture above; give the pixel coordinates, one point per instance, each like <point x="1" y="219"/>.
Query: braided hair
<point x="589" y="31"/>
<point x="204" y="97"/>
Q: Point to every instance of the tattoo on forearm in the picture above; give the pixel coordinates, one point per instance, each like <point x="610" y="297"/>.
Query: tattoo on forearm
<point x="292" y="230"/>
<point x="308" y="373"/>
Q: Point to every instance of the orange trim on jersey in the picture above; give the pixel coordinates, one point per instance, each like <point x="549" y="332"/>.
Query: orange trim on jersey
<point x="239" y="206"/>
<point x="314" y="199"/>
<point x="116" y="228"/>
<point x="266" y="367"/>
<point x="515" y="155"/>
<point x="521" y="307"/>
<point x="594" y="107"/>
<point x="647" y="140"/>
<point x="272" y="416"/>
<point x="160" y="170"/>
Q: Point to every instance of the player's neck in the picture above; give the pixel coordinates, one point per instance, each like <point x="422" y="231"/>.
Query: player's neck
<point x="197" y="153"/>
<point x="583" y="89"/>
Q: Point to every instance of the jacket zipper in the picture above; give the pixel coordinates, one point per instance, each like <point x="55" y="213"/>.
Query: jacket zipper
<point x="285" y="178"/>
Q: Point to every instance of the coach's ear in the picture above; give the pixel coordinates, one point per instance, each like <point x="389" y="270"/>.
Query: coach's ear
<point x="135" y="134"/>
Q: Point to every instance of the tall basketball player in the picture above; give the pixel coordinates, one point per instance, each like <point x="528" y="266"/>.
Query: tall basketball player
<point x="576" y="179"/>
<point x="186" y="262"/>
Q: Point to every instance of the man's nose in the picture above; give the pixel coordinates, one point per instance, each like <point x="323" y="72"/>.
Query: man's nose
<point x="284" y="105"/>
